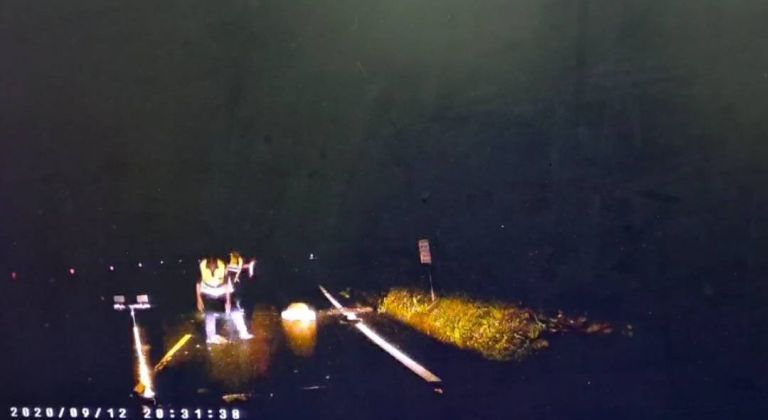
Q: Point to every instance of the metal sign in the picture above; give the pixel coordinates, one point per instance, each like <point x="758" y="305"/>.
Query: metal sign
<point x="142" y="302"/>
<point x="424" y="254"/>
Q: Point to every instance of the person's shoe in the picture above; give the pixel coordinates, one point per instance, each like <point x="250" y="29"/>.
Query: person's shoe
<point x="216" y="339"/>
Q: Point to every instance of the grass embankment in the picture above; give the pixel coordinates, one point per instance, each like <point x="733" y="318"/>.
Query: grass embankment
<point x="498" y="331"/>
<point x="495" y="330"/>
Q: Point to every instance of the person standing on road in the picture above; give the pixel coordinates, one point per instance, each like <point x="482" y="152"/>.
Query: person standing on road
<point x="234" y="269"/>
<point x="214" y="296"/>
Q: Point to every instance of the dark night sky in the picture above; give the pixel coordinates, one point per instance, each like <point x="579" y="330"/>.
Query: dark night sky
<point x="598" y="156"/>
<point x="620" y="144"/>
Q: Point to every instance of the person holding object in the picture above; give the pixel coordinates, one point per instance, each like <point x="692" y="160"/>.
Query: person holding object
<point x="234" y="268"/>
<point x="214" y="296"/>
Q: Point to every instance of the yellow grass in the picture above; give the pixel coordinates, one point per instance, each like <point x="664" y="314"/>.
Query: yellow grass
<point x="498" y="331"/>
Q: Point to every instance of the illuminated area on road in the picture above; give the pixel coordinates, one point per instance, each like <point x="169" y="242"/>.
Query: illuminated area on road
<point x="145" y="379"/>
<point x="300" y="329"/>
<point x="385" y="345"/>
<point x="301" y="337"/>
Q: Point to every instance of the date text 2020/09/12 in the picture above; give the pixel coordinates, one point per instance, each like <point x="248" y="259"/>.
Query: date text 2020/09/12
<point x="40" y="412"/>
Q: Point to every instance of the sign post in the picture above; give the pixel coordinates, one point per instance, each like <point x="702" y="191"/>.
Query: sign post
<point x="144" y="387"/>
<point x="425" y="256"/>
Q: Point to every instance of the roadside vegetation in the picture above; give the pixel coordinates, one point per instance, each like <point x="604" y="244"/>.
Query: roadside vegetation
<point x="496" y="330"/>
